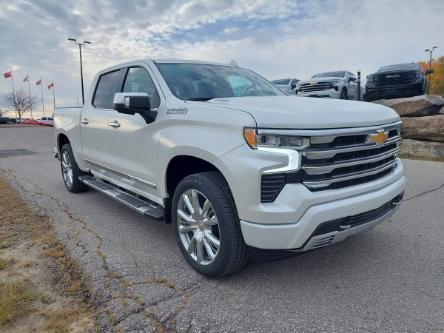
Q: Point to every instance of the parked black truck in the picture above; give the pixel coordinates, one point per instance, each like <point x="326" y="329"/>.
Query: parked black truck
<point x="394" y="81"/>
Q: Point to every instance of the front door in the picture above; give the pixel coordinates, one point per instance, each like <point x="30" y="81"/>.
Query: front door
<point x="132" y="143"/>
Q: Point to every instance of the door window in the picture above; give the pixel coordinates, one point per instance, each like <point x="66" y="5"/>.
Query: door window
<point x="107" y="86"/>
<point x="139" y="80"/>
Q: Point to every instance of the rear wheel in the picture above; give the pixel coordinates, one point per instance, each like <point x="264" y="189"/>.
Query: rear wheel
<point x="70" y="170"/>
<point x="207" y="226"/>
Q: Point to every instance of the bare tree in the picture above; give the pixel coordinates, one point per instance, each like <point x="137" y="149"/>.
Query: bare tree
<point x="20" y="102"/>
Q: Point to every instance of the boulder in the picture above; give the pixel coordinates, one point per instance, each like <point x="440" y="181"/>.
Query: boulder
<point x="422" y="149"/>
<point x="418" y="106"/>
<point x="430" y="128"/>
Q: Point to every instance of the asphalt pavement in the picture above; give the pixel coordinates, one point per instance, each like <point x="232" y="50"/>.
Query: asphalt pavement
<point x="390" y="279"/>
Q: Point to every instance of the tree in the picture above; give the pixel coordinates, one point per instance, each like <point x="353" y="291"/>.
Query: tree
<point x="20" y="102"/>
<point x="437" y="78"/>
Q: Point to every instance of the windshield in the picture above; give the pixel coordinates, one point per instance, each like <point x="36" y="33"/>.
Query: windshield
<point x="202" y="82"/>
<point x="283" y="82"/>
<point x="329" y="74"/>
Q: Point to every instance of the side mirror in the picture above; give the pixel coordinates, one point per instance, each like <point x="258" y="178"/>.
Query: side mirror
<point x="132" y="103"/>
<point x="351" y="78"/>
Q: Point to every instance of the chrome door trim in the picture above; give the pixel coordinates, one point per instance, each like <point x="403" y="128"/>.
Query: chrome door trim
<point x="123" y="174"/>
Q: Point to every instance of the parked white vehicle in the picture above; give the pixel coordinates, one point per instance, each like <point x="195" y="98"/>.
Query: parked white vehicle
<point x="230" y="160"/>
<point x="47" y="121"/>
<point x="338" y="84"/>
<point x="288" y="86"/>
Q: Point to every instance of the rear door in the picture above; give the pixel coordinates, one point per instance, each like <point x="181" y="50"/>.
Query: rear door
<point x="94" y="119"/>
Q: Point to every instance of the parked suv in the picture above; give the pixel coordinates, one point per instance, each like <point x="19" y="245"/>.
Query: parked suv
<point x="338" y="84"/>
<point x="286" y="85"/>
<point x="394" y="81"/>
<point x="231" y="160"/>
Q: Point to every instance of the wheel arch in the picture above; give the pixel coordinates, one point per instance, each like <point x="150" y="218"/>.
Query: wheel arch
<point x="62" y="139"/>
<point x="179" y="167"/>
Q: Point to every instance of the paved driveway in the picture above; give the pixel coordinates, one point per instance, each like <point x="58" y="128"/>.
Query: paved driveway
<point x="390" y="279"/>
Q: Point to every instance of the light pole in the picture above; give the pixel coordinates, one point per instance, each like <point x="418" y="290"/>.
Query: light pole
<point x="81" y="66"/>
<point x="430" y="65"/>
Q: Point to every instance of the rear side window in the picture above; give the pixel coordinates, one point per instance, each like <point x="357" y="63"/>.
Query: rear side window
<point x="139" y="80"/>
<point x="107" y="86"/>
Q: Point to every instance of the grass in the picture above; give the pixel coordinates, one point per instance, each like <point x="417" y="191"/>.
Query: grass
<point x="6" y="244"/>
<point x="42" y="287"/>
<point x="16" y="299"/>
<point x="5" y="263"/>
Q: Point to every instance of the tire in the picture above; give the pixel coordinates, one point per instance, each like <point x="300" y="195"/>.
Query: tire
<point x="70" y="170"/>
<point x="198" y="231"/>
<point x="343" y="94"/>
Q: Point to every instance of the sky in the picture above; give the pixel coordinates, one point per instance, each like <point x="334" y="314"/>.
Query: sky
<point x="276" y="38"/>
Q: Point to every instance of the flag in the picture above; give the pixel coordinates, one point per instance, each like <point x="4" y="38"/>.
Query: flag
<point x="26" y="79"/>
<point x="39" y="82"/>
<point x="51" y="85"/>
<point x="7" y="75"/>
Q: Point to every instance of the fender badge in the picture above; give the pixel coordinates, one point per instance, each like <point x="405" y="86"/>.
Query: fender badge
<point x="180" y="111"/>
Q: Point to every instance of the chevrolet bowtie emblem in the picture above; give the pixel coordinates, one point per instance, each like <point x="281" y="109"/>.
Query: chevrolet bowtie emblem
<point x="379" y="138"/>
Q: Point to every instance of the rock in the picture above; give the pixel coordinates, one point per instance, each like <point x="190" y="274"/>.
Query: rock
<point x="430" y="128"/>
<point x="422" y="149"/>
<point x="418" y="106"/>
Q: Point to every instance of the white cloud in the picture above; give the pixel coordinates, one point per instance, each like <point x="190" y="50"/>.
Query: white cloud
<point x="299" y="38"/>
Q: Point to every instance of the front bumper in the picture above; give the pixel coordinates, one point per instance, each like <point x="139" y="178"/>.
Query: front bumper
<point x="373" y="92"/>
<point x="331" y="93"/>
<point x="300" y="235"/>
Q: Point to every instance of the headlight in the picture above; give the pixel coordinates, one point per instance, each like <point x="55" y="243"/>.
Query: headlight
<point x="271" y="140"/>
<point x="370" y="78"/>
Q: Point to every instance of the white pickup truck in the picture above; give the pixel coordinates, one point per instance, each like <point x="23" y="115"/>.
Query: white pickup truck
<point x="230" y="160"/>
<point x="338" y="84"/>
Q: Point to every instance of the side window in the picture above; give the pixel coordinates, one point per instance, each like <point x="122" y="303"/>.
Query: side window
<point x="139" y="80"/>
<point x="107" y="86"/>
<point x="239" y="84"/>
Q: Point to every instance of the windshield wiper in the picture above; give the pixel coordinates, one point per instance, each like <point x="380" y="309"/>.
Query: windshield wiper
<point x="204" y="99"/>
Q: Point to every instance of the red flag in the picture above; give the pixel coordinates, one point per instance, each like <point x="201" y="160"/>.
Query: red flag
<point x="39" y="82"/>
<point x="51" y="85"/>
<point x="7" y="75"/>
<point x="26" y="79"/>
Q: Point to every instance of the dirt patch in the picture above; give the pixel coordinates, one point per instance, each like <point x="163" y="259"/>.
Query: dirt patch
<point x="42" y="288"/>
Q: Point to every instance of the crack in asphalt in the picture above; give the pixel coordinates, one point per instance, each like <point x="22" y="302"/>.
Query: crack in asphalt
<point x="425" y="193"/>
<point x="166" y="324"/>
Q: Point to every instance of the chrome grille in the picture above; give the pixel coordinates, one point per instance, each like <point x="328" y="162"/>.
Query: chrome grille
<point x="315" y="86"/>
<point x="342" y="158"/>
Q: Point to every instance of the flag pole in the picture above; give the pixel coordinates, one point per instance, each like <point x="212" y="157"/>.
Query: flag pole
<point x="53" y="95"/>
<point x="13" y="92"/>
<point x="43" y="101"/>
<point x="29" y="91"/>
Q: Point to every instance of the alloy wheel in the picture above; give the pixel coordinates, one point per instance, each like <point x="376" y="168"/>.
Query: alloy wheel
<point x="198" y="227"/>
<point x="67" y="168"/>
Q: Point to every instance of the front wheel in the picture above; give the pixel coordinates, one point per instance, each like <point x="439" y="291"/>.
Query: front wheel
<point x="207" y="226"/>
<point x="344" y="94"/>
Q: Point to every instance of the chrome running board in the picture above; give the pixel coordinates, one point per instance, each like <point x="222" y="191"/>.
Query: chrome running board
<point x="141" y="205"/>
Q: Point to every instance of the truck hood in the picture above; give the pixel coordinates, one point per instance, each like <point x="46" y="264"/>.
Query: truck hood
<point x="293" y="112"/>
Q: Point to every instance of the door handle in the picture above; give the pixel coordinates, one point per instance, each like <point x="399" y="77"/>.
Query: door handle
<point x="84" y="121"/>
<point x="114" y="124"/>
